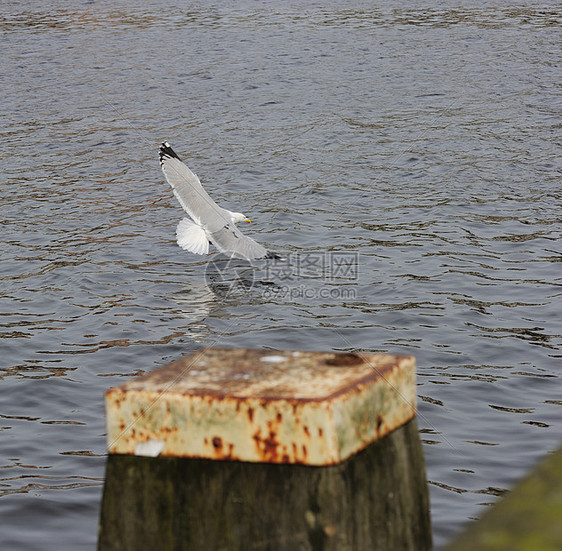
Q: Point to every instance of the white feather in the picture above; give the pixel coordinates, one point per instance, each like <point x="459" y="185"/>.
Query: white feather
<point x="192" y="237"/>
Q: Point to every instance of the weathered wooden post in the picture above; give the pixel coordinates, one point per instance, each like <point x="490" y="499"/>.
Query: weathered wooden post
<point x="260" y="450"/>
<point x="529" y="518"/>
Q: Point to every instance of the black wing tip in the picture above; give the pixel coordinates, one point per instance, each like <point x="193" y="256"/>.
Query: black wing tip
<point x="272" y="256"/>
<point x="167" y="151"/>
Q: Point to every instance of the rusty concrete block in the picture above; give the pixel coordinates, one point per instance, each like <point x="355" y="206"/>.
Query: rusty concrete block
<point x="312" y="408"/>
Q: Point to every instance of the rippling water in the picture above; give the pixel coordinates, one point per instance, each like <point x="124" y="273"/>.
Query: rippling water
<point x="405" y="161"/>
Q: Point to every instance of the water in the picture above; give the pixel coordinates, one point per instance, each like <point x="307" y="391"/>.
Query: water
<point x="420" y="144"/>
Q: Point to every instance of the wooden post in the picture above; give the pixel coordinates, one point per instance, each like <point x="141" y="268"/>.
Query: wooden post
<point x="276" y="451"/>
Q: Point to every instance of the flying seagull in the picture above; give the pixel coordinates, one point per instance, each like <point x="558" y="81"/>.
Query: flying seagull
<point x="209" y="222"/>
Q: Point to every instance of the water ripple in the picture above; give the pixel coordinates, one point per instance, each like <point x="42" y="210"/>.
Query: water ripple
<point x="421" y="141"/>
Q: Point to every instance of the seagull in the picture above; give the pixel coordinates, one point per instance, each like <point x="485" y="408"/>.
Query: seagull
<point x="209" y="222"/>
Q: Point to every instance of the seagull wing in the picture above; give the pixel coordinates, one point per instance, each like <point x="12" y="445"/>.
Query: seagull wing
<point x="231" y="241"/>
<point x="190" y="193"/>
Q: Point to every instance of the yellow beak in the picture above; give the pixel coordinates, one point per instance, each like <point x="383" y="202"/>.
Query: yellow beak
<point x="248" y="220"/>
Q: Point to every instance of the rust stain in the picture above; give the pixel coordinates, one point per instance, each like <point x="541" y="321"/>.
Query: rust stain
<point x="344" y="360"/>
<point x="267" y="447"/>
<point x="210" y="400"/>
<point x="271" y="443"/>
<point x="219" y="373"/>
<point x="379" y="423"/>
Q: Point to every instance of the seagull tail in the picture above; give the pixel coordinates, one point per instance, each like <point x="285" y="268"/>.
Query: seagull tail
<point x="192" y="237"/>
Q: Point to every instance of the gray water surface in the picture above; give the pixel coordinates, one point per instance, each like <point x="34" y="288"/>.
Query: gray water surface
<point x="405" y="161"/>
